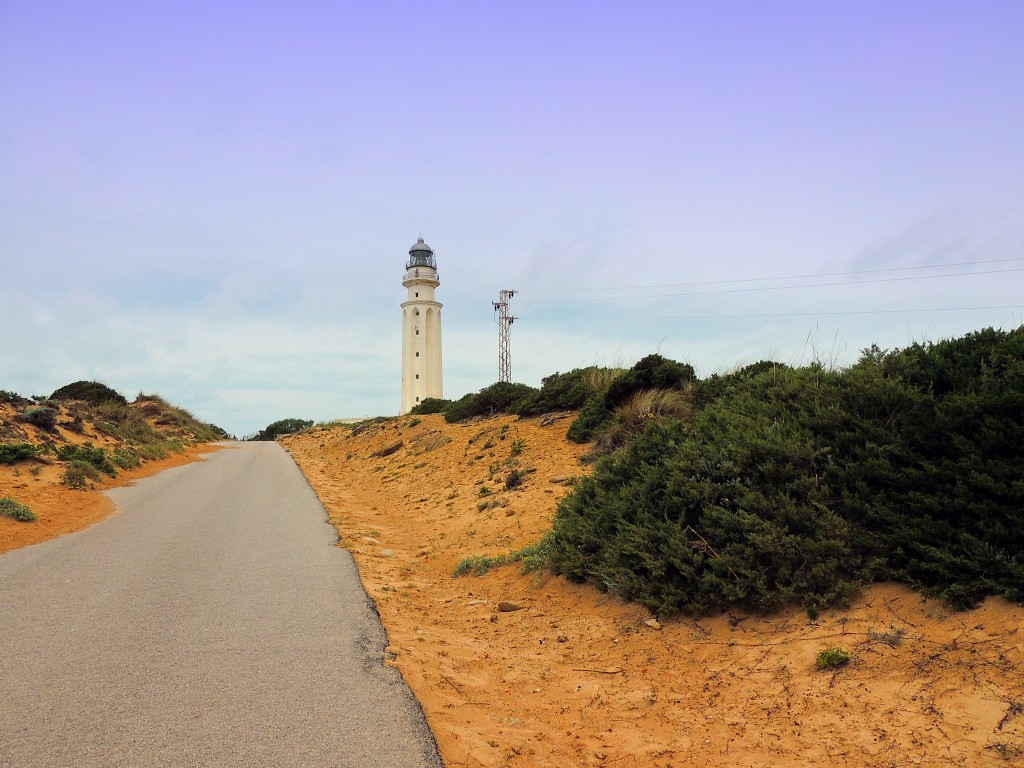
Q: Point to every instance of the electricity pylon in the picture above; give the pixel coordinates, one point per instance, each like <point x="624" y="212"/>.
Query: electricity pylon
<point x="504" y="321"/>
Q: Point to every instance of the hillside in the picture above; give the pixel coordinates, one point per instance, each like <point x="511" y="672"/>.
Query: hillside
<point x="58" y="453"/>
<point x="574" y="676"/>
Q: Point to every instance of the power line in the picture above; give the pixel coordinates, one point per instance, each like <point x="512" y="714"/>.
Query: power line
<point x="790" y="277"/>
<point x="779" y="314"/>
<point x="772" y="287"/>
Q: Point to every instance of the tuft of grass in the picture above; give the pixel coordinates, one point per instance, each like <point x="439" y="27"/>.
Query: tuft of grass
<point x="640" y="409"/>
<point x="78" y="474"/>
<point x="892" y="636"/>
<point x="833" y="658"/>
<point x="532" y="557"/>
<point x="516" y="446"/>
<point x="484" y="491"/>
<point x="598" y="379"/>
<point x="20" y="512"/>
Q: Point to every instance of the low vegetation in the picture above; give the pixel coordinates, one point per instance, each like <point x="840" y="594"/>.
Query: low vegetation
<point x="148" y="428"/>
<point x="41" y="416"/>
<point x="833" y="658"/>
<point x="92" y="392"/>
<point x="280" y="428"/>
<point x="12" y="453"/>
<point x="11" y="508"/>
<point x="785" y="485"/>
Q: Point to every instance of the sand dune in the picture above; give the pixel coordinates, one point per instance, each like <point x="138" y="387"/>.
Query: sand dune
<point x="576" y="677"/>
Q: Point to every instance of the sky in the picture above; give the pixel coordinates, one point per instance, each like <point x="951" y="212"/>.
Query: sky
<point x="214" y="201"/>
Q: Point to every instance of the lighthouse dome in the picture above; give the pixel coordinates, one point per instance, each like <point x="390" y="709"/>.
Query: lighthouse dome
<point x="421" y="255"/>
<point x="419" y="245"/>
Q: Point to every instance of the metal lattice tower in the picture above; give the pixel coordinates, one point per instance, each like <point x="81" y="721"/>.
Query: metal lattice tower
<point x="504" y="321"/>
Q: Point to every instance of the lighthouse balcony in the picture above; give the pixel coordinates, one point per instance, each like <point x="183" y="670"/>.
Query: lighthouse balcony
<point x="420" y="273"/>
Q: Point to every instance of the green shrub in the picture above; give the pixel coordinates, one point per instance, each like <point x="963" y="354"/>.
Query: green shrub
<point x="637" y="411"/>
<point x="12" y="398"/>
<point x="430" y="405"/>
<point x="800" y="485"/>
<point x="126" y="458"/>
<point x="653" y="372"/>
<point x="11" y="453"/>
<point x="125" y="422"/>
<point x="95" y="457"/>
<point x="153" y="451"/>
<point x="533" y="557"/>
<point x="78" y="473"/>
<point x="90" y="391"/>
<point x="11" y="508"/>
<point x="282" y="427"/>
<point x="515" y="479"/>
<point x="833" y="658"/>
<point x="592" y="416"/>
<point x="41" y="416"/>
<point x="558" y="392"/>
<point x="502" y="397"/>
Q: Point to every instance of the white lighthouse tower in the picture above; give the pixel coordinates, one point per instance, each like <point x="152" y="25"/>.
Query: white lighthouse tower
<point x="421" y="329"/>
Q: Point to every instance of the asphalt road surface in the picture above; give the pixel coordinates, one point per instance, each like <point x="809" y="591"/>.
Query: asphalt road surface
<point x="211" y="622"/>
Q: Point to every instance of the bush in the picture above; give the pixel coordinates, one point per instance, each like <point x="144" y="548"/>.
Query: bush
<point x="515" y="479"/>
<point x="833" y="658"/>
<point x="282" y="427"/>
<point x="11" y="453"/>
<point x="592" y="417"/>
<point x="12" y="398"/>
<point x="800" y="485"/>
<point x="653" y="372"/>
<point x="90" y="391"/>
<point x="125" y="422"/>
<point x="502" y="397"/>
<point x="430" y="405"/>
<point x="41" y="416"/>
<point x="77" y="474"/>
<point x="87" y="454"/>
<point x="558" y="392"/>
<point x="677" y="524"/>
<point x="126" y="458"/>
<point x="11" y="508"/>
<point x="634" y="414"/>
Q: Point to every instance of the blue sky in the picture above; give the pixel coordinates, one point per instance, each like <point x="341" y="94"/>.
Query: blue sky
<point x="214" y="201"/>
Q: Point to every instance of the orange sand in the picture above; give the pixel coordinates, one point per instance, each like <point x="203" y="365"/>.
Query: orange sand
<point x="579" y="678"/>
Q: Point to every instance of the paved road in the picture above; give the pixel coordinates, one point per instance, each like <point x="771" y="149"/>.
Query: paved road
<point x="210" y="623"/>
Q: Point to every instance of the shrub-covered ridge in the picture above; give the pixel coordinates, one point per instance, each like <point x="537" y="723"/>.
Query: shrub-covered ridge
<point x="804" y="484"/>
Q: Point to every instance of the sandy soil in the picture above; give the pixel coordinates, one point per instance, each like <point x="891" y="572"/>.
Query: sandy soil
<point x="574" y="677"/>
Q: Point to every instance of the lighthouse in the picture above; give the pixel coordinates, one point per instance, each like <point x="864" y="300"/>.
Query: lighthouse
<point x="421" y="328"/>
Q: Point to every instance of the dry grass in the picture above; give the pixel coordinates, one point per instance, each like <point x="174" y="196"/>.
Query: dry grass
<point x="641" y="408"/>
<point x="597" y="379"/>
